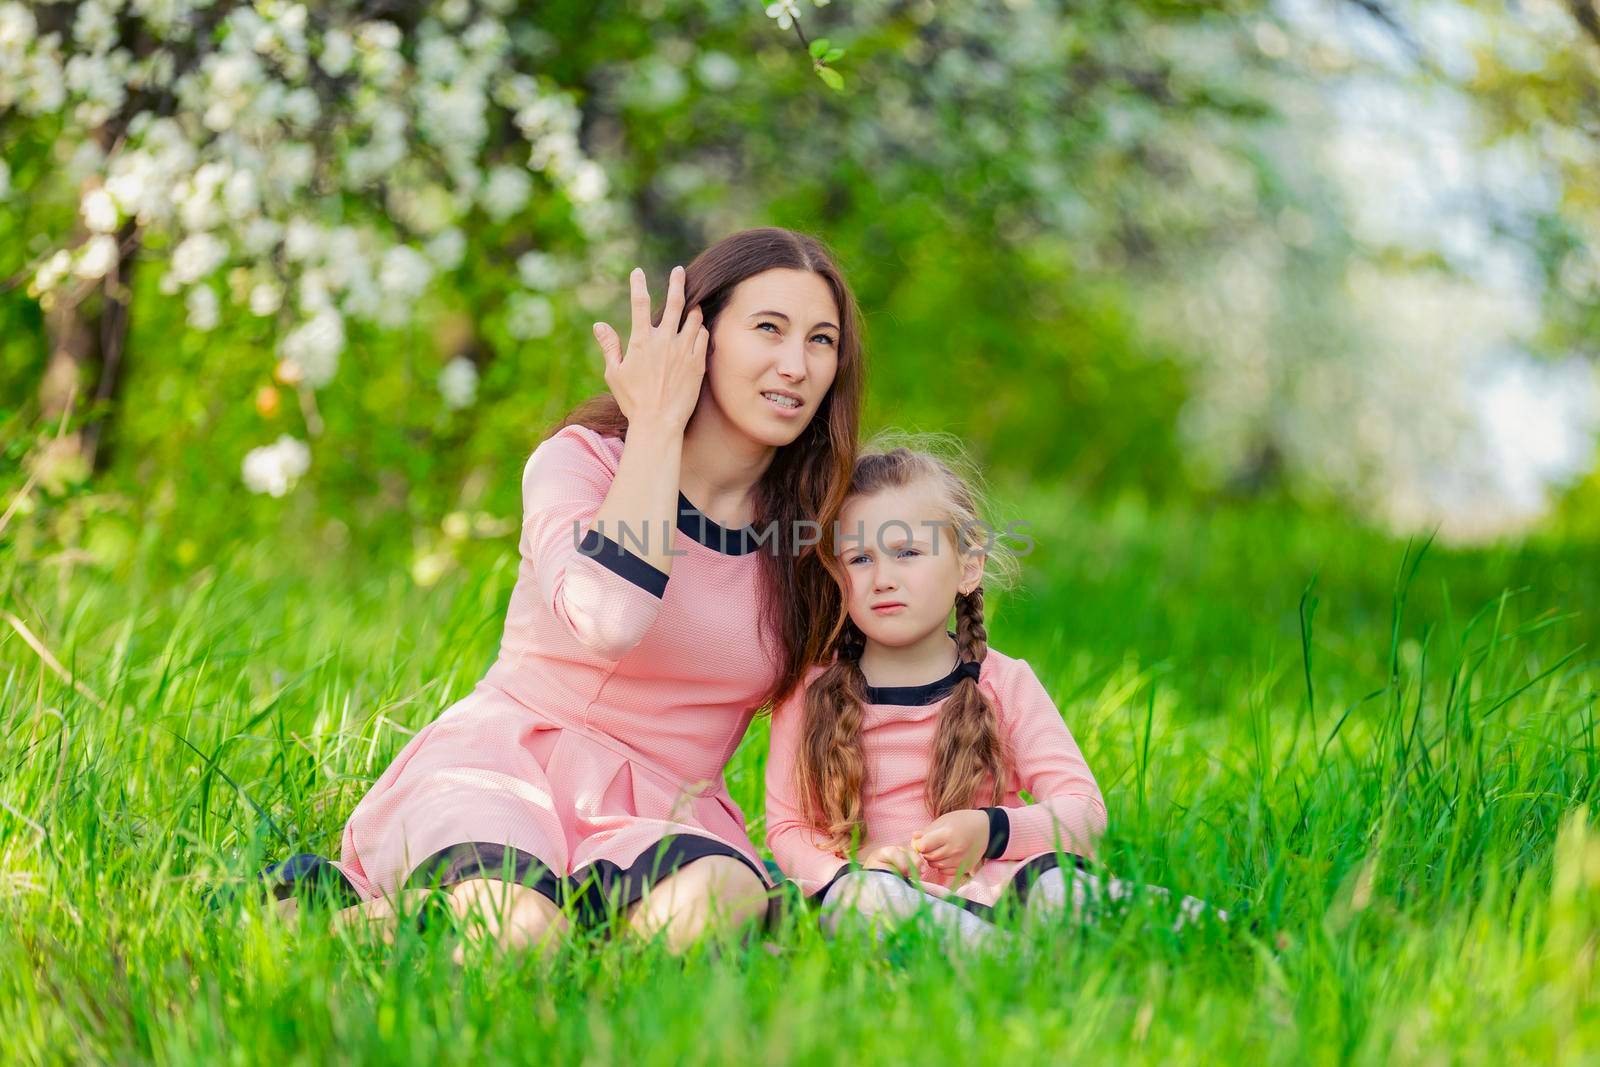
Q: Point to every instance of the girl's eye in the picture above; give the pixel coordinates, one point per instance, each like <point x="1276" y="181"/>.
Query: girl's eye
<point x="855" y="559"/>
<point x="825" y="337"/>
<point x="909" y="552"/>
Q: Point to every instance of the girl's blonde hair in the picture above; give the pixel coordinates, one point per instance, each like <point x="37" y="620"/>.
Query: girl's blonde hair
<point x="969" y="757"/>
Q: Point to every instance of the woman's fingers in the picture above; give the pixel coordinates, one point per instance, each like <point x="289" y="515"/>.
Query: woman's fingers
<point x="691" y="323"/>
<point x="610" y="345"/>
<point x="639" y="296"/>
<point x="674" y="309"/>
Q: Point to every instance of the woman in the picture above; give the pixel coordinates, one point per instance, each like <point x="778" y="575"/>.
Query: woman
<point x="670" y="586"/>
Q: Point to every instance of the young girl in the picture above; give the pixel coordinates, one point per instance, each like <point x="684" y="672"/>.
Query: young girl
<point x="915" y="744"/>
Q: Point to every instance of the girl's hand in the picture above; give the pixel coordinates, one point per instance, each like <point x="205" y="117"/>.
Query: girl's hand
<point x="658" y="381"/>
<point x="954" y="842"/>
<point x="900" y="858"/>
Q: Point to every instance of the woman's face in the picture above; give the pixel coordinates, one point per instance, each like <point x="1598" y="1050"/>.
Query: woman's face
<point x="774" y="353"/>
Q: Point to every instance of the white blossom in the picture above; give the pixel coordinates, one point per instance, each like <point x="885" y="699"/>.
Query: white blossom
<point x="588" y="182"/>
<point x="260" y="236"/>
<point x="337" y="52"/>
<point x="300" y="106"/>
<point x="439" y="59"/>
<point x="315" y="346"/>
<point x="302" y="239"/>
<point x="405" y="273"/>
<point x="529" y="316"/>
<point x="265" y="298"/>
<point x="52" y="270"/>
<point x="506" y="191"/>
<point x="17" y="27"/>
<point x="97" y="257"/>
<point x="539" y="270"/>
<point x="231" y="181"/>
<point x="292" y="164"/>
<point x="201" y="303"/>
<point x="240" y="195"/>
<point x="313" y="291"/>
<point x="99" y="211"/>
<point x="95" y="28"/>
<point x="274" y="469"/>
<point x="446" y="248"/>
<point x="785" y="11"/>
<point x="197" y="256"/>
<point x="458" y="383"/>
<point x="717" y="70"/>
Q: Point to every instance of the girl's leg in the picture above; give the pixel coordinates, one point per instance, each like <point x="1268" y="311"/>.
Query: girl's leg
<point x="872" y="895"/>
<point x="1081" y="895"/>
<point x="713" y="891"/>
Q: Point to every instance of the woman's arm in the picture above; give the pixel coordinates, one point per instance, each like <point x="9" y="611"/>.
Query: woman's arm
<point x="1069" y="812"/>
<point x="604" y="595"/>
<point x="597" y="540"/>
<point x="657" y="386"/>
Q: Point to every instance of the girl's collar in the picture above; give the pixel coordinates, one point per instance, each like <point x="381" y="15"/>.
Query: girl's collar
<point x="918" y="695"/>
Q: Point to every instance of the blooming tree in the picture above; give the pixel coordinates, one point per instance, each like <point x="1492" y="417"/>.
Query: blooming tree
<point x="318" y="173"/>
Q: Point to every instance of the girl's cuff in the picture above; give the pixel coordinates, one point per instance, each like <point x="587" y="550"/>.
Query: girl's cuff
<point x="999" y="833"/>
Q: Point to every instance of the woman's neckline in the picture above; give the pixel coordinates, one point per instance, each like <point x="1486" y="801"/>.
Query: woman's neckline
<point x="703" y="529"/>
<point x="916" y="695"/>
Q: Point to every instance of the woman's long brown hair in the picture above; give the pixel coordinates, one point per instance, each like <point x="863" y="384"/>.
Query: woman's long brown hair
<point x="970" y="761"/>
<point x="808" y="478"/>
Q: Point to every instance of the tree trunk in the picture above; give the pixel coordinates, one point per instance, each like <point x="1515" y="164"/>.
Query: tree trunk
<point x="88" y="334"/>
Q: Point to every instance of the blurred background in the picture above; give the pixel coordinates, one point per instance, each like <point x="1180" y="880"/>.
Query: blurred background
<point x="316" y="277"/>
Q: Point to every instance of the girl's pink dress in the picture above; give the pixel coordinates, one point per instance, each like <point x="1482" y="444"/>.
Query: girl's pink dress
<point x="897" y="737"/>
<point x="594" y="747"/>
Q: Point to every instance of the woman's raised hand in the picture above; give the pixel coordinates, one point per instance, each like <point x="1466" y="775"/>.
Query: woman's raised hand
<point x="659" y="379"/>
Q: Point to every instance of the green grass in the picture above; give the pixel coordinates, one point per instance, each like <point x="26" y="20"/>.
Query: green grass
<point x="1384" y="755"/>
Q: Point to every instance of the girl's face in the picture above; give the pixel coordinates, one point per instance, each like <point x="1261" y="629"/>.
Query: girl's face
<point x="902" y="563"/>
<point x="777" y="334"/>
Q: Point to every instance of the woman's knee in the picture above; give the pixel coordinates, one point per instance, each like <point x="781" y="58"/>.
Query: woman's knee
<point x="717" y="891"/>
<point x="517" y="914"/>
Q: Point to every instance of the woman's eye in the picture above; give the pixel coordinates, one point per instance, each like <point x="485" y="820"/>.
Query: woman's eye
<point x="855" y="559"/>
<point x="772" y="324"/>
<point x="909" y="552"/>
<point x="823" y="337"/>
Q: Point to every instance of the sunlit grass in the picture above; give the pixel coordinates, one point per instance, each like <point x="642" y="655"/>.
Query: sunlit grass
<point x="1378" y="757"/>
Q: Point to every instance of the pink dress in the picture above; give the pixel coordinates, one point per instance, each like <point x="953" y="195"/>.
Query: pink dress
<point x="897" y="738"/>
<point x="592" y="752"/>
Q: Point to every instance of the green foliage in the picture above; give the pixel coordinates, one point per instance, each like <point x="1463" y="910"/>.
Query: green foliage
<point x="1403" y="840"/>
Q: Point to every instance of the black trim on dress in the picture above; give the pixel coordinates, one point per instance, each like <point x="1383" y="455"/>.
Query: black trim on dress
<point x="604" y="888"/>
<point x="308" y="871"/>
<point x="999" y="832"/>
<point x="916" y="696"/>
<point x="618" y="560"/>
<point x="457" y="863"/>
<point x="707" y="531"/>
<point x="597" y="891"/>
